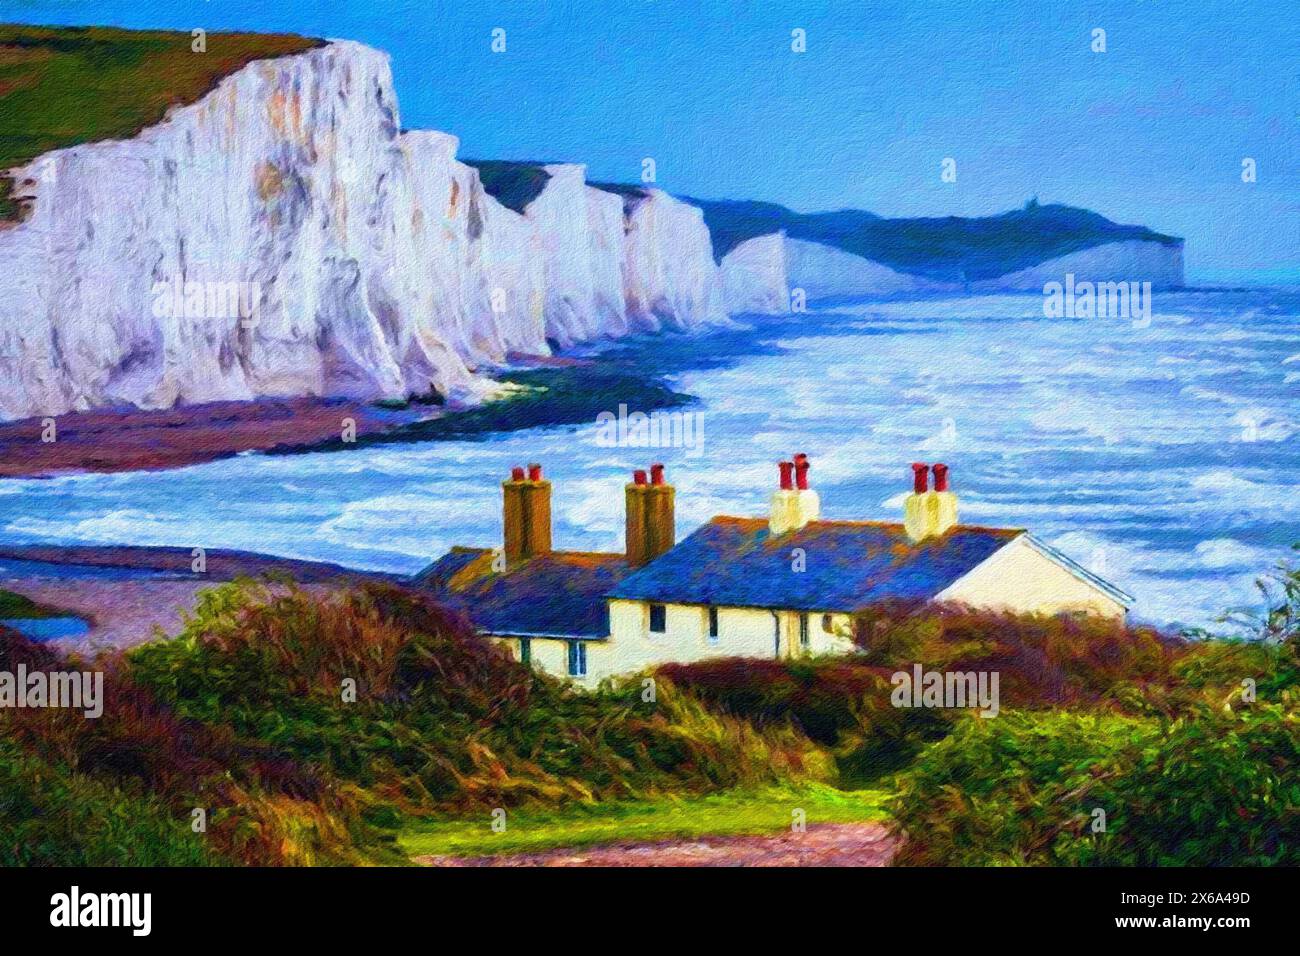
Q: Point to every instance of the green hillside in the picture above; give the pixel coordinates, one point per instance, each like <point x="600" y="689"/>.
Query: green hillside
<point x="17" y="606"/>
<point x="68" y="85"/>
<point x="242" y="712"/>
<point x="951" y="248"/>
<point x="512" y="184"/>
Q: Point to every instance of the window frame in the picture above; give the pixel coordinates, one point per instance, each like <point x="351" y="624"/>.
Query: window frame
<point x="577" y="659"/>
<point x="663" y="614"/>
<point x="525" y="650"/>
<point x="713" y="629"/>
<point x="805" y="631"/>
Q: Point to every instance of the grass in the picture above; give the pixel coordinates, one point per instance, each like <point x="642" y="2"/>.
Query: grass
<point x="730" y="813"/>
<point x="242" y="712"/>
<point x="69" y="85"/>
<point x="949" y="249"/>
<point x="14" y="606"/>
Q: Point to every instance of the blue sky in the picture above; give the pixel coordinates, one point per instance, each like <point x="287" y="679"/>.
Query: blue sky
<point x="1152" y="131"/>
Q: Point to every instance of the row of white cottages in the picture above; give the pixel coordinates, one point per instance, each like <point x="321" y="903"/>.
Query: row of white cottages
<point x="731" y="588"/>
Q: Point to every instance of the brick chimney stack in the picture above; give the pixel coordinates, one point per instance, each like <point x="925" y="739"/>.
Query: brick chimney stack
<point x="651" y="527"/>
<point x="526" y="513"/>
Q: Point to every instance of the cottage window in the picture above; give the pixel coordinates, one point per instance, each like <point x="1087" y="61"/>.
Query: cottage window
<point x="803" y="631"/>
<point x="577" y="658"/>
<point x="658" y="619"/>
<point x="713" y="625"/>
<point x="525" y="650"/>
<point x="828" y="624"/>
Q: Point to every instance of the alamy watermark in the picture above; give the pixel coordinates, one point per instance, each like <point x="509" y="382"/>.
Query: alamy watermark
<point x="950" y="689"/>
<point x="659" y="429"/>
<point x="133" y="911"/>
<point x="74" y="690"/>
<point x="1101" y="300"/>
<point x="176" y="298"/>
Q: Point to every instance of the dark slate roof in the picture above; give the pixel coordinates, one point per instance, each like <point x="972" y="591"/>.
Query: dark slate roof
<point x="561" y="594"/>
<point x="850" y="565"/>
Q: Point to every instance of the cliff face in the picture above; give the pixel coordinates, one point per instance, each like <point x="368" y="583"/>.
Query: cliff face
<point x="754" y="277"/>
<point x="281" y="237"/>
<point x="475" y="273"/>
<point x="951" y="250"/>
<point x="759" y="274"/>
<point x="288" y="179"/>
<point x="669" y="278"/>
<point x="822" y="270"/>
<point x="1161" y="264"/>
<point x="581" y="234"/>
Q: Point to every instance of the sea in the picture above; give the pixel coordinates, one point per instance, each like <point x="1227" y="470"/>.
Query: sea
<point x="1161" y="452"/>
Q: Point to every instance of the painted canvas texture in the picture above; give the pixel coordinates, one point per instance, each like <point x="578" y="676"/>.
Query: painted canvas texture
<point x="648" y="434"/>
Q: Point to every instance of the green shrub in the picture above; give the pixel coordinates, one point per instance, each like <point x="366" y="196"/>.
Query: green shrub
<point x="141" y="761"/>
<point x="1043" y="661"/>
<point x="842" y="703"/>
<point x="1214" y="789"/>
<point x="18" y="606"/>
<point x="442" y="719"/>
<point x="51" y="816"/>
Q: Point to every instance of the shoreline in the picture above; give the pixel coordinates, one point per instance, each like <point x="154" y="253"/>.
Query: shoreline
<point x="131" y="439"/>
<point x="126" y="594"/>
<point x="547" y="390"/>
<point x="570" y="388"/>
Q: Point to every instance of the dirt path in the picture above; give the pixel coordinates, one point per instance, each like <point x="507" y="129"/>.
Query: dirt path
<point x="829" y="844"/>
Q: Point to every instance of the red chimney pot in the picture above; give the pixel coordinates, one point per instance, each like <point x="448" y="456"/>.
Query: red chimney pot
<point x="638" y="477"/>
<point x="940" y="477"/>
<point x="787" y="468"/>
<point x="534" y="472"/>
<point x="516" y="474"/>
<point x="801" y="471"/>
<point x="656" y="474"/>
<point x="920" y="477"/>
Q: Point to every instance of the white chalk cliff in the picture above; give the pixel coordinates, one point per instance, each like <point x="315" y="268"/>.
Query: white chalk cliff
<point x="759" y="275"/>
<point x="1131" y="260"/>
<point x="383" y="267"/>
<point x="754" y="276"/>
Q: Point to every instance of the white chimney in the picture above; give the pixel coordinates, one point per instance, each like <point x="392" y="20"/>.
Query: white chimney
<point x="929" y="514"/>
<point x="794" y="504"/>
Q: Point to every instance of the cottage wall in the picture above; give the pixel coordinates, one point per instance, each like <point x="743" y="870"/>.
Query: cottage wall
<point x="1021" y="579"/>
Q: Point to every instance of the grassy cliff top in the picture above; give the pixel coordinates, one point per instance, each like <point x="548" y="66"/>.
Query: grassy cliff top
<point x="60" y="86"/>
<point x="17" y="606"/>
<point x="952" y="248"/>
<point x="513" y="184"/>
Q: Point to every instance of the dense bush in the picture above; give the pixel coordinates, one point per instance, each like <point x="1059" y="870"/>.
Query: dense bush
<point x="1042" y="661"/>
<point x="309" y="726"/>
<point x="140" y="761"/>
<point x="839" y="702"/>
<point x="441" y="719"/>
<point x="1215" y="789"/>
<point x="249" y="714"/>
<point x="52" y="816"/>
